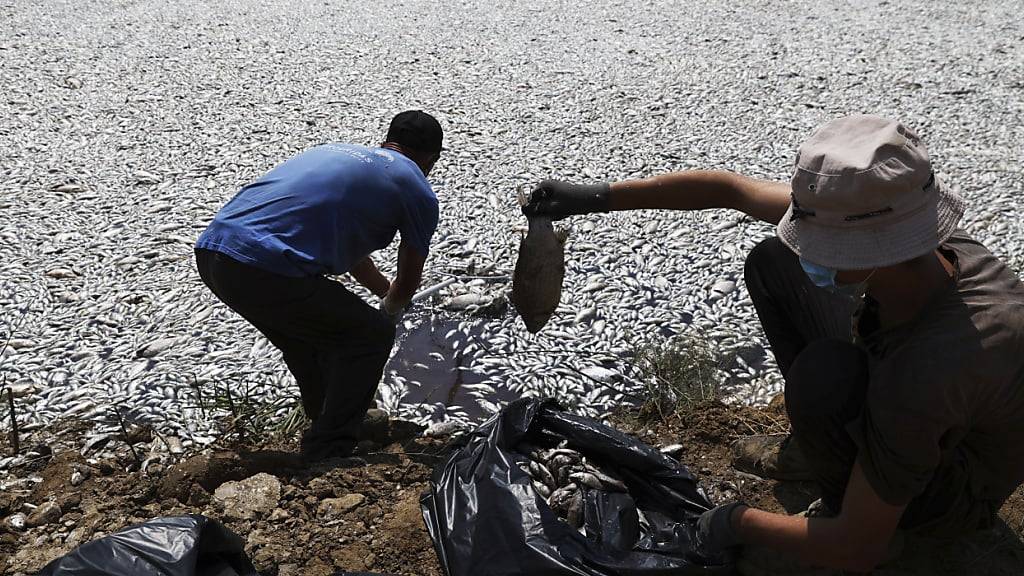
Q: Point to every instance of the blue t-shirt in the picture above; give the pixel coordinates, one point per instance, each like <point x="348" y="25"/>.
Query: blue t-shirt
<point x="325" y="210"/>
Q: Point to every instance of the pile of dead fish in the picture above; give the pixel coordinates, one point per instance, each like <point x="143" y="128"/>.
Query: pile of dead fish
<point x="561" y="475"/>
<point x="121" y="141"/>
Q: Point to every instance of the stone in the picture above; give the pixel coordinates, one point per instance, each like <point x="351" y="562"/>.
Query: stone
<point x="258" y="538"/>
<point x="47" y="513"/>
<point x="171" y="444"/>
<point x="339" y="506"/>
<point x="249" y="498"/>
<point x="375" y="426"/>
<point x="198" y="496"/>
<point x="321" y="487"/>
<point x="69" y="501"/>
<point x="402" y="430"/>
<point x="15" y="522"/>
<point x="264" y="556"/>
<point x="76" y="537"/>
<point x="6" y="502"/>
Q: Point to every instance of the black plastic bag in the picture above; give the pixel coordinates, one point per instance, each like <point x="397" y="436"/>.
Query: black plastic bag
<point x="191" y="545"/>
<point x="485" y="517"/>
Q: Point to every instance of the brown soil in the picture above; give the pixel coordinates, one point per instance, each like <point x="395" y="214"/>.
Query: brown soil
<point x="385" y="533"/>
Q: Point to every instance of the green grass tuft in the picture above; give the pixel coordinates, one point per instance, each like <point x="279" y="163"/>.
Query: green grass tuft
<point x="679" y="374"/>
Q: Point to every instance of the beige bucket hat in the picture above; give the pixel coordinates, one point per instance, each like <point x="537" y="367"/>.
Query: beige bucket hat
<point x="864" y="196"/>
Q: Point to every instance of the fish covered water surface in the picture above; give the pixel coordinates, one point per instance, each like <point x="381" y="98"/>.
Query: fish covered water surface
<point x="540" y="268"/>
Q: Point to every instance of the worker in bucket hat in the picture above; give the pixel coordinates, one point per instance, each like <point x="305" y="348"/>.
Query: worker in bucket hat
<point x="901" y="340"/>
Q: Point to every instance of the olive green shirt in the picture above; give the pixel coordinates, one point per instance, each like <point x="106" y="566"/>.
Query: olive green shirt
<point x="948" y="386"/>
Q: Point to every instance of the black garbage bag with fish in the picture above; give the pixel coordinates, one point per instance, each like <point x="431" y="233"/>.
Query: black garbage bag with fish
<point x="486" y="515"/>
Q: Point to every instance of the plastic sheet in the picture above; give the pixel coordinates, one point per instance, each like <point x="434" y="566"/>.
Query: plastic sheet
<point x="191" y="545"/>
<point x="486" y="518"/>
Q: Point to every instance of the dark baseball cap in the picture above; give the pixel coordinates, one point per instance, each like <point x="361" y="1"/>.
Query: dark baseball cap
<point x="417" y="130"/>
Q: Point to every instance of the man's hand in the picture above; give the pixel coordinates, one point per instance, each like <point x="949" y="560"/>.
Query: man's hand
<point x="393" y="309"/>
<point x="557" y="199"/>
<point x="857" y="540"/>
<point x="716" y="530"/>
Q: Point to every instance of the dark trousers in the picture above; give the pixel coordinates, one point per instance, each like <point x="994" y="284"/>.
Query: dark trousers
<point x="334" y="344"/>
<point x="826" y="375"/>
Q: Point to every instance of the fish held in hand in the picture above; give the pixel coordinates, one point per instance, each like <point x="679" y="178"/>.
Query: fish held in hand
<point x="540" y="268"/>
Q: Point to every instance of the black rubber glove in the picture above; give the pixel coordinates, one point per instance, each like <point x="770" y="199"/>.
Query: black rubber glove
<point x="557" y="199"/>
<point x="715" y="532"/>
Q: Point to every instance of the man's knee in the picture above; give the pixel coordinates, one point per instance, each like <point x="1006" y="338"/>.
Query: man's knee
<point x="828" y="379"/>
<point x="765" y="256"/>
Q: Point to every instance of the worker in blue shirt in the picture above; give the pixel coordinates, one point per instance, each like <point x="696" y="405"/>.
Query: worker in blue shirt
<point x="268" y="252"/>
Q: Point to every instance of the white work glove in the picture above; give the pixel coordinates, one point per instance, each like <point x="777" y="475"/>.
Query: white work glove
<point x="392" y="309"/>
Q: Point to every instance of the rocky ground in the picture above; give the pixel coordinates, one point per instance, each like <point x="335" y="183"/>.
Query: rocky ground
<point x="354" y="514"/>
<point x="363" y="513"/>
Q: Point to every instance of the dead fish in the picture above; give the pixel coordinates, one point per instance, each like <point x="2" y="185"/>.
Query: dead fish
<point x="574" y="516"/>
<point x="69" y="188"/>
<point x="540" y="268"/>
<point x="156" y="347"/>
<point x="561" y="497"/>
<point x="463" y="301"/>
<point x="541" y="489"/>
<point x="587" y="479"/>
<point x="607" y="481"/>
<point x="542" y="474"/>
<point x="572" y="455"/>
<point x="558" y="462"/>
<point x="598" y="481"/>
<point x="671" y="449"/>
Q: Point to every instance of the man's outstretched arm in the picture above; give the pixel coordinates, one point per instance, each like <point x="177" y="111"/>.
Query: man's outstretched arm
<point x="687" y="190"/>
<point x="856" y="540"/>
<point x="699" y="189"/>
